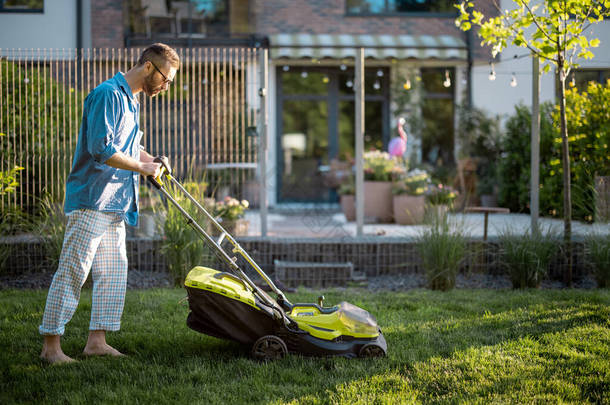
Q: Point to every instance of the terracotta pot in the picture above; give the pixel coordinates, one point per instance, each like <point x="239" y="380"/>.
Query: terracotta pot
<point x="348" y="206"/>
<point x="236" y="227"/>
<point x="378" y="201"/>
<point x="409" y="209"/>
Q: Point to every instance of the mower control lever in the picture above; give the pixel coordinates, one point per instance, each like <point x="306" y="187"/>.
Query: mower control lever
<point x="164" y="162"/>
<point x="321" y="301"/>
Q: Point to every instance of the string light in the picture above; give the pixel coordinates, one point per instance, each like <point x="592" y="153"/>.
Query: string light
<point x="573" y="81"/>
<point x="447" y="82"/>
<point x="379" y="73"/>
<point x="513" y="80"/>
<point x="286" y="68"/>
<point x="349" y="83"/>
<point x="407" y="84"/>
<point x="376" y="85"/>
<point x="343" y="67"/>
<point x="325" y="79"/>
<point x="492" y="74"/>
<point x="304" y="74"/>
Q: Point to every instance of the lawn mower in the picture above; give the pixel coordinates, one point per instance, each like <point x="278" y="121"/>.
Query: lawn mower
<point x="229" y="305"/>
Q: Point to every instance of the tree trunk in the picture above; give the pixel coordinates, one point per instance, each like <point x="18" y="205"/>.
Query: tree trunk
<point x="567" y="194"/>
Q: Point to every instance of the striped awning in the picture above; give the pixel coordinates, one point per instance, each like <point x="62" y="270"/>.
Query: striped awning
<point x="320" y="46"/>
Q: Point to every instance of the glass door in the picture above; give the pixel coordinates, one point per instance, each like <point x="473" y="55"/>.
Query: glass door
<point x="304" y="149"/>
<point x="315" y="124"/>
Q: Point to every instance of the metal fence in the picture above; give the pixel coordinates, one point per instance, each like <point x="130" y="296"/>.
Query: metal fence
<point x="205" y="123"/>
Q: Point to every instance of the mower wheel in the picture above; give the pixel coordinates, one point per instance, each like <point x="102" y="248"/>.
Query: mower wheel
<point x="269" y="347"/>
<point x="371" y="350"/>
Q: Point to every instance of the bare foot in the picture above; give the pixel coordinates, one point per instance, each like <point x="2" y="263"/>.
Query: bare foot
<point x="56" y="357"/>
<point x="101" y="350"/>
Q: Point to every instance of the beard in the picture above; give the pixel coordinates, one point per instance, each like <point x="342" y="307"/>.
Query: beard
<point x="149" y="87"/>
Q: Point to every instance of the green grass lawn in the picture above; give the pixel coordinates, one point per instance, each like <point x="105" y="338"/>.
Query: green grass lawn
<point x="473" y="346"/>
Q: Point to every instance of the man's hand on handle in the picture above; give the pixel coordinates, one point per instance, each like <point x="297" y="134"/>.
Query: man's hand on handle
<point x="165" y="162"/>
<point x="150" y="169"/>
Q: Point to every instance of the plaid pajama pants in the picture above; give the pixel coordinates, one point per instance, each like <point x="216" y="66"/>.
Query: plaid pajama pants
<point x="94" y="241"/>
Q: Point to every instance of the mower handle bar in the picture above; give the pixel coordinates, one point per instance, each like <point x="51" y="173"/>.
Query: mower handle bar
<point x="158" y="184"/>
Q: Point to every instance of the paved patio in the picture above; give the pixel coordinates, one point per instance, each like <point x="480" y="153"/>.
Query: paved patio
<point x="328" y="222"/>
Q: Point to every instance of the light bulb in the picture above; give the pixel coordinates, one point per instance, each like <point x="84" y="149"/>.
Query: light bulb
<point x="325" y="79"/>
<point x="304" y="74"/>
<point x="513" y="81"/>
<point x="407" y="85"/>
<point x="447" y="82"/>
<point x="376" y="85"/>
<point x="349" y="83"/>
<point x="492" y="74"/>
<point x="343" y="67"/>
<point x="380" y="73"/>
<point x="286" y="68"/>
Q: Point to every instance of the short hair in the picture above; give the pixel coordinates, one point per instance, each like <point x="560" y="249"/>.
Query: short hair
<point x="160" y="53"/>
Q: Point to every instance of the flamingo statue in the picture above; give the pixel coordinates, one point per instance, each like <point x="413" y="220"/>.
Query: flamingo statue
<point x="398" y="145"/>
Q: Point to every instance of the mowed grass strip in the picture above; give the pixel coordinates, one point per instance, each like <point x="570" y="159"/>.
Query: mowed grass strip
<point x="473" y="346"/>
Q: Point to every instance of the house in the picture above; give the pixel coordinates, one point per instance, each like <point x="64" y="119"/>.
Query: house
<point x="418" y="66"/>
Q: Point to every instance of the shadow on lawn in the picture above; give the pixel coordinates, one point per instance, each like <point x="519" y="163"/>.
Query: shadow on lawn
<point x="413" y="341"/>
<point x="419" y="327"/>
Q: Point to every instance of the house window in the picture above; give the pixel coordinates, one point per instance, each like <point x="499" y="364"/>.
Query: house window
<point x="437" y="110"/>
<point x="580" y="78"/>
<point x="385" y="7"/>
<point x="152" y="19"/>
<point x="21" y="6"/>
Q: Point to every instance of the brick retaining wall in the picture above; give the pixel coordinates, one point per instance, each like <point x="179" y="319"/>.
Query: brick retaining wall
<point x="372" y="256"/>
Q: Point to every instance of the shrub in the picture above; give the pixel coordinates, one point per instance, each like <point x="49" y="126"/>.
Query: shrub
<point x="588" y="115"/>
<point x="480" y="138"/>
<point x="597" y="251"/>
<point x="40" y="124"/>
<point x="442" y="250"/>
<point x="527" y="256"/>
<point x="515" y="164"/>
<point x="589" y="129"/>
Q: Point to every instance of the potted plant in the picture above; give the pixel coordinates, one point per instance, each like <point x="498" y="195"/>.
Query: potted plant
<point x="440" y="199"/>
<point x="379" y="171"/>
<point x="347" y="199"/>
<point x="230" y="213"/>
<point x="409" y="199"/>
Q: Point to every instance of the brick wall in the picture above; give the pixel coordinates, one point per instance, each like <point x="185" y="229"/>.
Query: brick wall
<point x="107" y="24"/>
<point x="328" y="17"/>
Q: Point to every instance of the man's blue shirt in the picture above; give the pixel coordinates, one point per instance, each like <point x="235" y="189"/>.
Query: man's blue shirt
<point x="110" y="124"/>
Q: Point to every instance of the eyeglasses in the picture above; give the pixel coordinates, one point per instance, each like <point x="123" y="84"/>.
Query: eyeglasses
<point x="165" y="77"/>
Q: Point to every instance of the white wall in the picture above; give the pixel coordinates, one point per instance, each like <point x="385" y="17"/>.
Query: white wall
<point x="500" y="98"/>
<point x="54" y="28"/>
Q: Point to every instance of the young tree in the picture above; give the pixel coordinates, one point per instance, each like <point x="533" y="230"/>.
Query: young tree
<point x="555" y="33"/>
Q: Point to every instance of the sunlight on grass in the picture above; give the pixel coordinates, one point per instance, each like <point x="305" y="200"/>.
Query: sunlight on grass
<point x="475" y="346"/>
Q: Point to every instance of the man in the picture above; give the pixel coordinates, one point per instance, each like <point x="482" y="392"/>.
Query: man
<point x="101" y="195"/>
